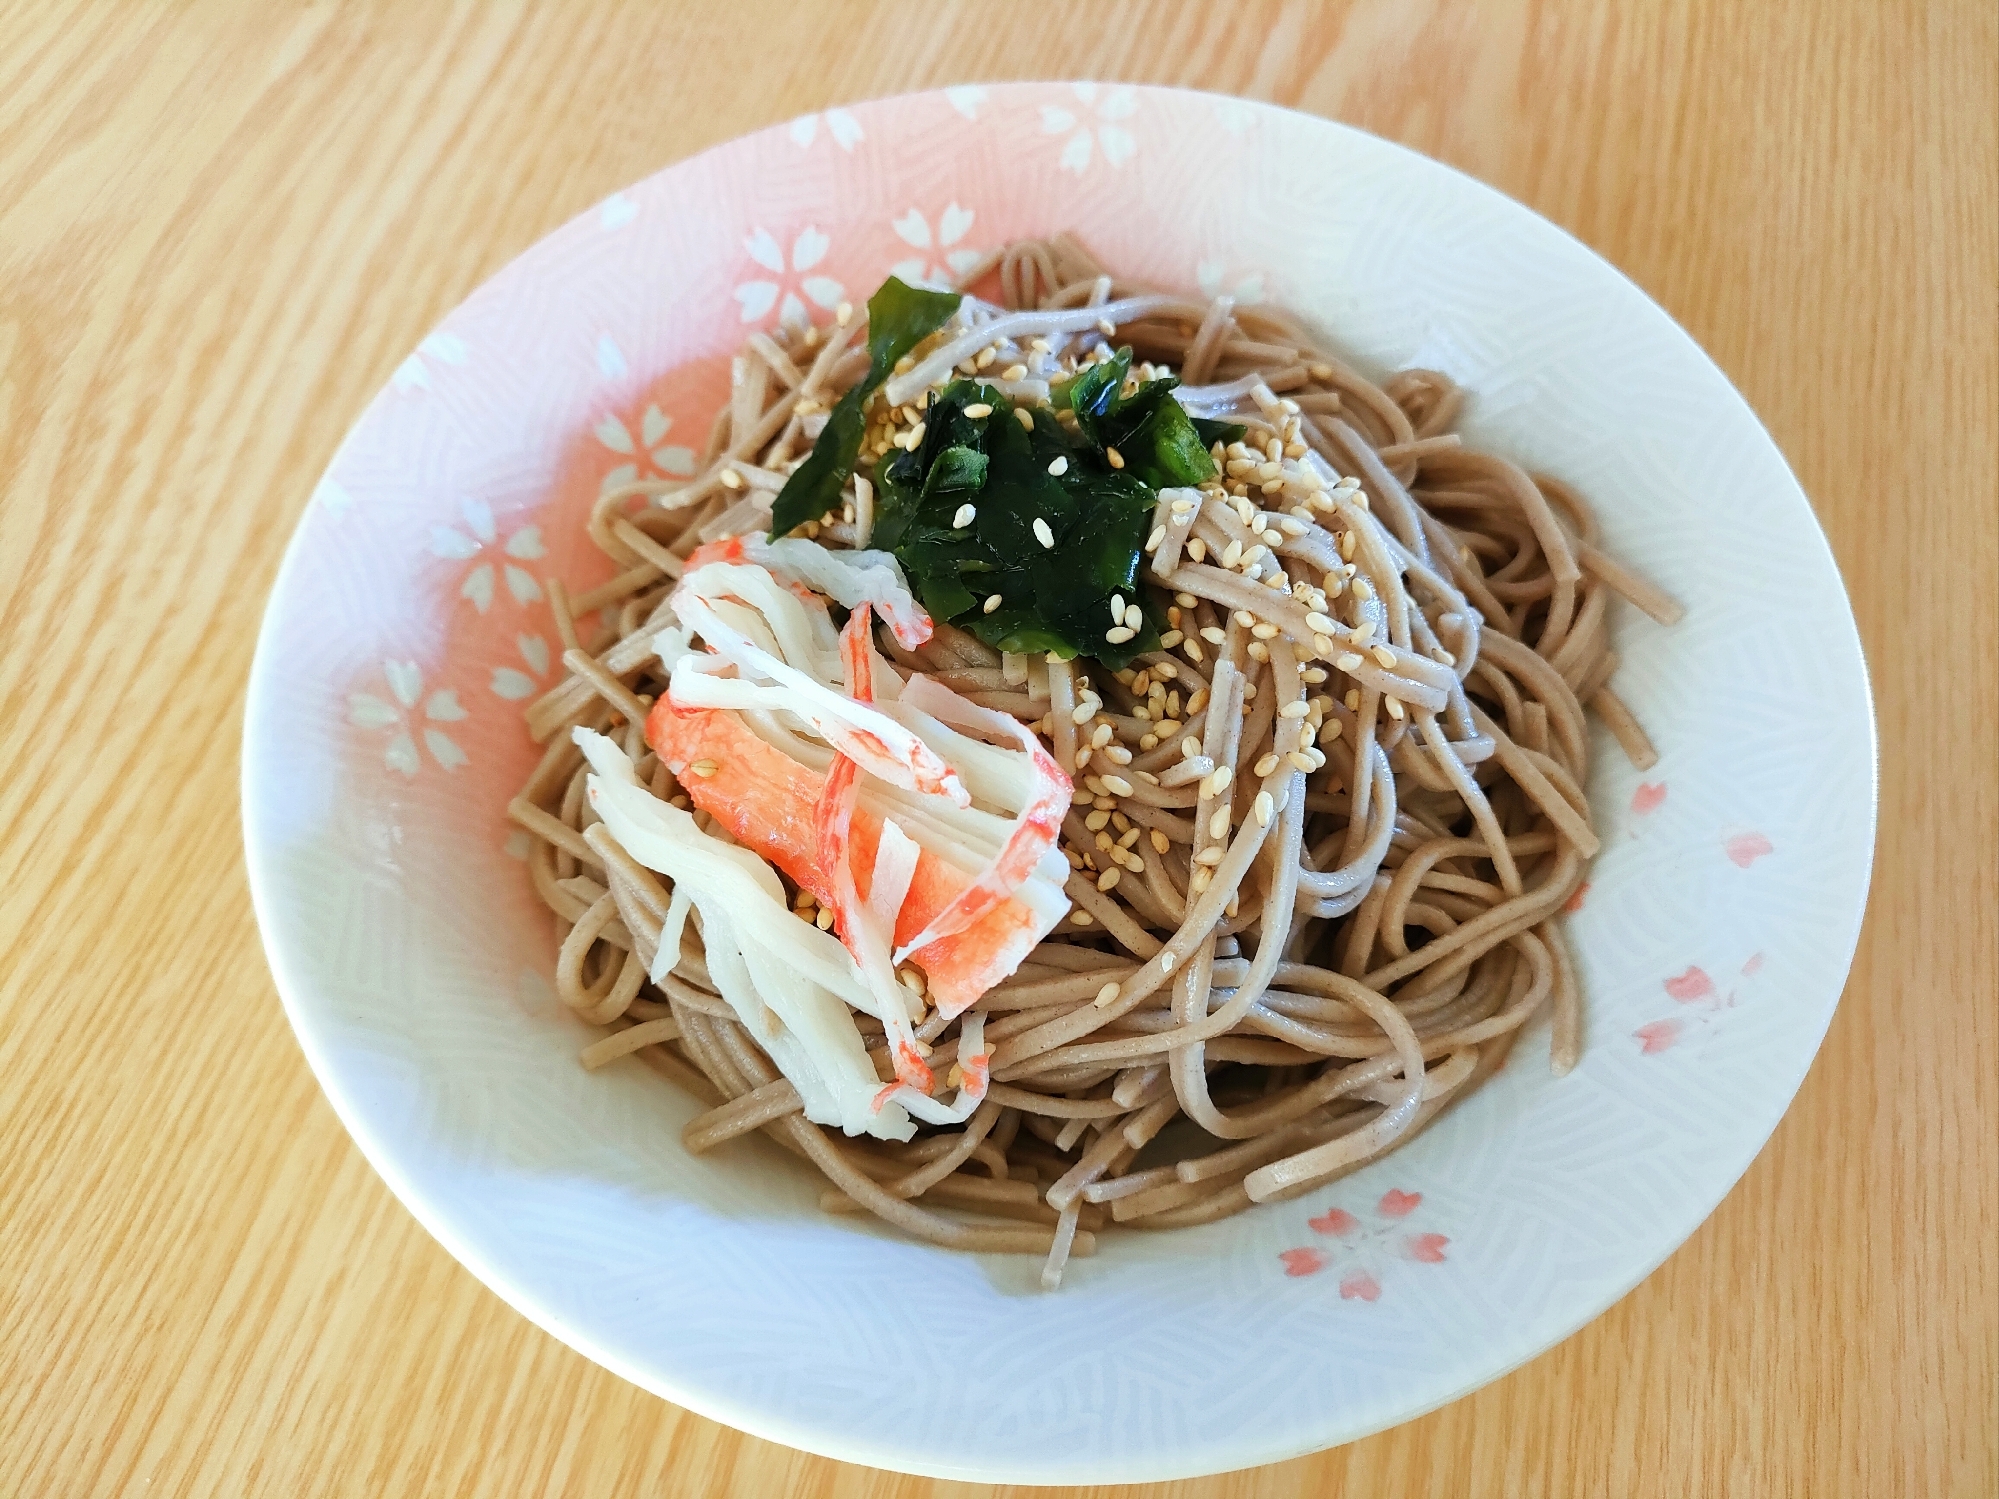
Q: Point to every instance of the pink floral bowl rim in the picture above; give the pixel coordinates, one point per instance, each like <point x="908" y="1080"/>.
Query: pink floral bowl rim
<point x="410" y="625"/>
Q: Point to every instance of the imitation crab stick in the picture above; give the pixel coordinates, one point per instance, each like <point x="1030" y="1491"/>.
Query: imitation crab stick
<point x="766" y="800"/>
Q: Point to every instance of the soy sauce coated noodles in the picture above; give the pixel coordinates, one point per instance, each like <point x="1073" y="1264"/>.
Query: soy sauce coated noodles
<point x="1320" y="837"/>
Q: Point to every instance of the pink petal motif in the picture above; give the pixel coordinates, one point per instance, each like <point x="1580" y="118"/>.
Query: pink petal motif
<point x="1647" y="797"/>
<point x="1360" y="1284"/>
<point x="1302" y="1261"/>
<point x="1745" y="849"/>
<point x="1335" y="1221"/>
<point x="1657" y="1036"/>
<point x="1429" y="1248"/>
<point x="1689" y="986"/>
<point x="1753" y="966"/>
<point x="1575" y="902"/>
<point x="1398" y="1204"/>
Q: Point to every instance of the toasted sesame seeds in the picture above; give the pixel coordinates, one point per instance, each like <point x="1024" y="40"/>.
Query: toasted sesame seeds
<point x="1107" y="996"/>
<point x="1166" y="961"/>
<point x="1347" y="662"/>
<point x="1333" y="729"/>
<point x="1259" y="651"/>
<point x="1170" y="639"/>
<point x="1213" y="634"/>
<point x="1362" y="589"/>
<point x="965" y="516"/>
<point x="1158" y="535"/>
<point x="1014" y="372"/>
<point x="1096" y="821"/>
<point x="1189" y="747"/>
<point x="1352" y="700"/>
<point x="1264" y="808"/>
<point x="1232" y="554"/>
<point x="1160" y="842"/>
<point x="1217" y="781"/>
<point x="1265" y="766"/>
<point x="1385" y="656"/>
<point x="985" y="357"/>
<point x="704" y="768"/>
<point x="1025" y="417"/>
<point x="1117" y="785"/>
<point x="1113" y="457"/>
<point x="1198" y="701"/>
<point x="1042" y="534"/>
<point x="1081" y="918"/>
<point x="992" y="602"/>
<point x="1197" y="550"/>
<point x="1265" y="630"/>
<point x="1059" y="467"/>
<point x="824" y="920"/>
<point x="1394" y="707"/>
<point x="1320" y="624"/>
<point x="1119" y="635"/>
<point x="731" y="479"/>
<point x="1296" y="708"/>
<point x="977" y="410"/>
<point x="1210" y="856"/>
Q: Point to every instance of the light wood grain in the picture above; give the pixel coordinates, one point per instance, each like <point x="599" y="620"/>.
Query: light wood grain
<point x="222" y="225"/>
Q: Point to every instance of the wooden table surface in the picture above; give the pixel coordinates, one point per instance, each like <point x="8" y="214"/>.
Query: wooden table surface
<point x="221" y="227"/>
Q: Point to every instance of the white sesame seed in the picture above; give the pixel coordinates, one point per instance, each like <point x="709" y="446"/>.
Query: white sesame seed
<point x="1319" y="624"/>
<point x="1166" y="961"/>
<point x="1218" y="825"/>
<point x="965" y="516"/>
<point x="1042" y="534"/>
<point x="977" y="410"/>
<point x="1190" y="747"/>
<point x="1347" y="662"/>
<point x="1096" y="821"/>
<point x="1179" y="507"/>
<point x="985" y="357"/>
<point x="1352" y="700"/>
<point x="1101" y="735"/>
<point x="824" y="920"/>
<point x="1107" y="996"/>
<point x="1264" y="808"/>
<point x="1113" y="457"/>
<point x="1218" y="781"/>
<point x="1158" y="535"/>
<point x="1304" y="761"/>
<point x="1106" y="327"/>
<point x="1083" y="712"/>
<point x="1265" y="631"/>
<point x="1117" y="785"/>
<point x="1134" y="617"/>
<point x="1117" y="606"/>
<point x="1059" y="467"/>
<point x="992" y="602"/>
<point x="1210" y="856"/>
<point x="1393" y="705"/>
<point x="1081" y="918"/>
<point x="916" y="435"/>
<point x="1296" y="708"/>
<point x="1197" y="549"/>
<point x="1117" y="754"/>
<point x="1325" y="645"/>
<point x="1170" y="639"/>
<point x="1265" y="766"/>
<point x="1232" y="554"/>
<point x="1213" y="634"/>
<point x="731" y="479"/>
<point x="1014" y="372"/>
<point x="844" y="314"/>
<point x="1025" y="417"/>
<point x="704" y="768"/>
<point x="1385" y="656"/>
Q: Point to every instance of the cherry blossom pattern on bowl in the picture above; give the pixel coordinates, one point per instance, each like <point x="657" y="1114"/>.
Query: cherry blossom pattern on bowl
<point x="411" y="625"/>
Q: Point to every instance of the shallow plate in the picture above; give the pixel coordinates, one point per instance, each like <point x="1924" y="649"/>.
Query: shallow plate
<point x="409" y="627"/>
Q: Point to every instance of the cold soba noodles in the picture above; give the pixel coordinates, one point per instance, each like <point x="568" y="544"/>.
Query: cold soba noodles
<point x="1085" y="759"/>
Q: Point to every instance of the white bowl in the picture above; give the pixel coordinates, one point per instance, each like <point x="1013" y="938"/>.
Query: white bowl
<point x="384" y="738"/>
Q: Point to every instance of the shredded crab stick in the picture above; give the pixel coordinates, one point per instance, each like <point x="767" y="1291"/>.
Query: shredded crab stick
<point x="882" y="747"/>
<point x="764" y="797"/>
<point x="848" y="578"/>
<point x="1034" y="833"/>
<point x="793" y="986"/>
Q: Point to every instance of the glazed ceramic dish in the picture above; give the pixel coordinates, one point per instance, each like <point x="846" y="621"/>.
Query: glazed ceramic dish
<point x="410" y="627"/>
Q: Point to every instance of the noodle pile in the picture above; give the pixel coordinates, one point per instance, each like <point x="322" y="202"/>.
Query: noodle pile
<point x="1320" y="840"/>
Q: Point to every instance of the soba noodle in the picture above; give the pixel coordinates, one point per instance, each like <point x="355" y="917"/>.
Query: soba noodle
<point x="1321" y="839"/>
